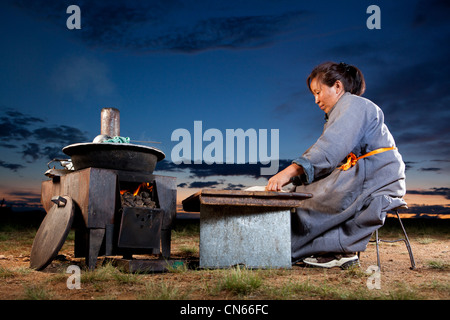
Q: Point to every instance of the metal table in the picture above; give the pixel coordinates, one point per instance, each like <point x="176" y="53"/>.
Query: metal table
<point x="252" y="228"/>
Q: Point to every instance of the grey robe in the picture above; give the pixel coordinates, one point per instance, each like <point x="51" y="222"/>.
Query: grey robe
<point x="347" y="206"/>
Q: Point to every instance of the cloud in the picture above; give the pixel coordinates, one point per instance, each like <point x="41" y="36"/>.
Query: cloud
<point x="11" y="166"/>
<point x="432" y="192"/>
<point x="144" y="26"/>
<point x="59" y="134"/>
<point x="203" y="184"/>
<point x="409" y="165"/>
<point x="430" y="169"/>
<point x="422" y="211"/>
<point x="7" y="145"/>
<point x="212" y="184"/>
<point x="13" y="125"/>
<point x="183" y="185"/>
<point x="232" y="186"/>
<point x="31" y="152"/>
<point x="204" y="170"/>
<point x="224" y="32"/>
<point x="414" y="165"/>
<point x="23" y="199"/>
<point x="110" y="23"/>
<point x="33" y="139"/>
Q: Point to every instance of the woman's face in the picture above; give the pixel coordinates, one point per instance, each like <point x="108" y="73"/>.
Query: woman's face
<point x="325" y="96"/>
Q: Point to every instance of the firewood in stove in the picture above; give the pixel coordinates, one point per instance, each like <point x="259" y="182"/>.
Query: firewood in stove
<point x="142" y="199"/>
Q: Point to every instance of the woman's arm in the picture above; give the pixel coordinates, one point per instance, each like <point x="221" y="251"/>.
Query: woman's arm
<point x="283" y="178"/>
<point x="347" y="126"/>
<point x="343" y="132"/>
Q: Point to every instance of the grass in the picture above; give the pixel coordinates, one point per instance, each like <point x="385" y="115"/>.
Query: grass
<point x="37" y="292"/>
<point x="186" y="230"/>
<point x="107" y="273"/>
<point x="321" y="290"/>
<point x="189" y="250"/>
<point x="161" y="290"/>
<point x="6" y="273"/>
<point x="240" y="281"/>
<point x="186" y="282"/>
<point x="420" y="228"/>
<point x="425" y="240"/>
<point x="439" y="265"/>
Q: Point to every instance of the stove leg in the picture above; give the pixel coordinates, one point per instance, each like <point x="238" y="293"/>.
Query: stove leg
<point x="166" y="190"/>
<point x="109" y="239"/>
<point x="166" y="236"/>
<point x="95" y="242"/>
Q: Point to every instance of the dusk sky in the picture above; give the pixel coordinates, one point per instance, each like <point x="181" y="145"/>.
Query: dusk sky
<point x="229" y="64"/>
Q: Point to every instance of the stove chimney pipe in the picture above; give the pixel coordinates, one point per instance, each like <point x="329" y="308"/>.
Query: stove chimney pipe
<point x="110" y="122"/>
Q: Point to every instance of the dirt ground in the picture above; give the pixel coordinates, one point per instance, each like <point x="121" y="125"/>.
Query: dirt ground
<point x="429" y="281"/>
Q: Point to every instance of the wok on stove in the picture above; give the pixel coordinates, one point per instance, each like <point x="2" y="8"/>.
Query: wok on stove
<point x="117" y="156"/>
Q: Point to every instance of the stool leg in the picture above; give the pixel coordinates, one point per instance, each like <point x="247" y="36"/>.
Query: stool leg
<point x="377" y="241"/>
<point x="407" y="243"/>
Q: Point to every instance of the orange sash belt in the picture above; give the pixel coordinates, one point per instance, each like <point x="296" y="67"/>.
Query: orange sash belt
<point x="352" y="159"/>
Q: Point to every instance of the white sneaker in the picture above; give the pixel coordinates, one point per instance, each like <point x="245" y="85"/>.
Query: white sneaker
<point x="330" y="260"/>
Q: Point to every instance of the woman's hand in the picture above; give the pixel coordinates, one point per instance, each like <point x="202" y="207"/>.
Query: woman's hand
<point x="283" y="178"/>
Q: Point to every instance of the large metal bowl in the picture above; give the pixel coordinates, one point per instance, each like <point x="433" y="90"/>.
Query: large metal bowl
<point x="117" y="156"/>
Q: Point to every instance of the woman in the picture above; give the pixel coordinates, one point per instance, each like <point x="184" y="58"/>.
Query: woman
<point x="349" y="201"/>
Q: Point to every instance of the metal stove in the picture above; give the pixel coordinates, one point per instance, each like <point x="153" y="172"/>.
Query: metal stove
<point x="105" y="223"/>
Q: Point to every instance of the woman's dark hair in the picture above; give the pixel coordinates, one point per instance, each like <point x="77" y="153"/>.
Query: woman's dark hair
<point x="329" y="72"/>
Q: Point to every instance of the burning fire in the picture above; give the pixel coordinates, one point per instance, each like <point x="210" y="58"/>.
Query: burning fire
<point x="146" y="185"/>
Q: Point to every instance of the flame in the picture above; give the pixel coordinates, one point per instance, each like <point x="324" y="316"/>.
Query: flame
<point x="146" y="185"/>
